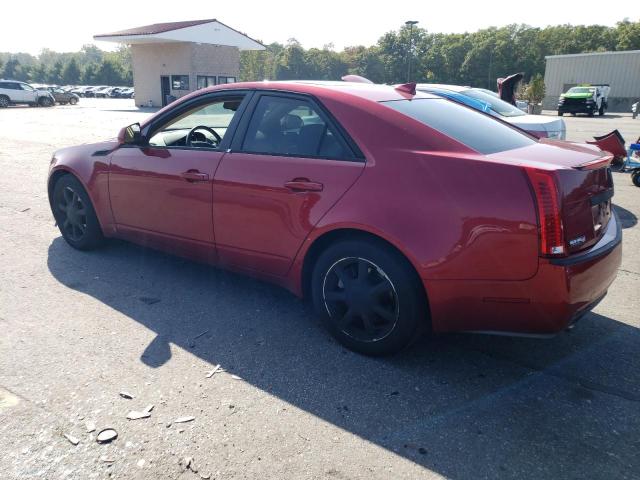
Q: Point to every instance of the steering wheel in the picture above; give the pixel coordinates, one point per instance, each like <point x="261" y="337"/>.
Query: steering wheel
<point x="202" y="127"/>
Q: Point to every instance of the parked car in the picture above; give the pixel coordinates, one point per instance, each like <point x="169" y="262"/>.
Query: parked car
<point x="13" y="92"/>
<point x="587" y="99"/>
<point x="126" y="93"/>
<point x="91" y="91"/>
<point x="101" y="92"/>
<point x="61" y="96"/>
<point x="393" y="211"/>
<point x="486" y="101"/>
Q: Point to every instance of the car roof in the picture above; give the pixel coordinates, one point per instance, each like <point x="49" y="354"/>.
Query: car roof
<point x="442" y="86"/>
<point x="373" y="92"/>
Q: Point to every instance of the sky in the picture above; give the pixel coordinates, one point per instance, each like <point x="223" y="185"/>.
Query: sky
<point x="66" y="25"/>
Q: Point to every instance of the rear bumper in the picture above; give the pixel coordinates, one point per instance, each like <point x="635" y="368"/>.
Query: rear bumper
<point x="560" y="293"/>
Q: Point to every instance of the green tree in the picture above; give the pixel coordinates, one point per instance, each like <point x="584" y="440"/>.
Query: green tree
<point x="71" y="72"/>
<point x="11" y="69"/>
<point x="54" y="73"/>
<point x="88" y="76"/>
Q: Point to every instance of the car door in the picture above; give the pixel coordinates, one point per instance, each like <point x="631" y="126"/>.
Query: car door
<point x="289" y="164"/>
<point x="28" y="93"/>
<point x="163" y="187"/>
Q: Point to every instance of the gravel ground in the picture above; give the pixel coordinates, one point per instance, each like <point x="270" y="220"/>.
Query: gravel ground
<point x="79" y="328"/>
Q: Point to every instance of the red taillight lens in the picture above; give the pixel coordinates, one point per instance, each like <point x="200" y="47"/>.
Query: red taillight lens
<point x="546" y="192"/>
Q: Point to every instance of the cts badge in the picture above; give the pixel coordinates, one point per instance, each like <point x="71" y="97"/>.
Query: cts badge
<point x="577" y="241"/>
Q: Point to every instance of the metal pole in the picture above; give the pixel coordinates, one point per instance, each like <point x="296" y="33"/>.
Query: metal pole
<point x="411" y="23"/>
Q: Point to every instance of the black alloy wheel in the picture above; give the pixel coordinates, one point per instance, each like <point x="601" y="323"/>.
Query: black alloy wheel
<point x="75" y="215"/>
<point x="368" y="296"/>
<point x="361" y="299"/>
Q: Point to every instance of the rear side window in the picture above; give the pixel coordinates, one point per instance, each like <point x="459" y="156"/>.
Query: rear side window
<point x="287" y="126"/>
<point x="477" y="131"/>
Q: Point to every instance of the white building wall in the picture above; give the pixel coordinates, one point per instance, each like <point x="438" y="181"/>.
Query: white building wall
<point x="153" y="60"/>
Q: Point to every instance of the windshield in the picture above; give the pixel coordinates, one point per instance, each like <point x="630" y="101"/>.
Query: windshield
<point x="476" y="130"/>
<point x="498" y="106"/>
<point x="581" y="90"/>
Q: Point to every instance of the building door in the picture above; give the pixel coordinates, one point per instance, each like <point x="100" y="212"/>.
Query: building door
<point x="165" y="89"/>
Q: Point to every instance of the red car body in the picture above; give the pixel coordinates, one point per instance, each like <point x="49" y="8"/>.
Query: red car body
<point x="472" y="225"/>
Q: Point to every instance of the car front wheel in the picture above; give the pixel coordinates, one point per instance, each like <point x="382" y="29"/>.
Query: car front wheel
<point x="75" y="215"/>
<point x="4" y="101"/>
<point x="369" y="297"/>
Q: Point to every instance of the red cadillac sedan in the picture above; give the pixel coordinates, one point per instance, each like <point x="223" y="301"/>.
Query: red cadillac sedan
<point x="394" y="212"/>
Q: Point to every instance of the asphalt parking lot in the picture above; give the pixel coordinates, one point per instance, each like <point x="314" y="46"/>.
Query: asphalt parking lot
<point x="78" y="328"/>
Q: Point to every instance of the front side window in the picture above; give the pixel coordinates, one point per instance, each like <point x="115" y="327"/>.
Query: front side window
<point x="26" y="87"/>
<point x="180" y="82"/>
<point x="476" y="130"/>
<point x="203" y="126"/>
<point x="287" y="126"/>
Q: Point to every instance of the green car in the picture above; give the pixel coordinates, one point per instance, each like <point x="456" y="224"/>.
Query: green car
<point x="587" y="99"/>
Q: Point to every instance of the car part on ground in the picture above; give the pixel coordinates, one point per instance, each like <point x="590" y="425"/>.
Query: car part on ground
<point x="395" y="211"/>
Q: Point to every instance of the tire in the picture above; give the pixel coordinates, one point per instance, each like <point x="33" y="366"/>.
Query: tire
<point x="82" y="231"/>
<point x="4" y="101"/>
<point x="73" y="101"/>
<point x="45" y="102"/>
<point x="601" y="110"/>
<point x="591" y="113"/>
<point x="560" y="114"/>
<point x="635" y="178"/>
<point x="381" y="290"/>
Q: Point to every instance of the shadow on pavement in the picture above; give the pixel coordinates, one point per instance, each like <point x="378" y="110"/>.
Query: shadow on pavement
<point x="464" y="406"/>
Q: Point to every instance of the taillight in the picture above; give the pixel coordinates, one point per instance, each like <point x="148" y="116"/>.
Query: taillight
<point x="547" y="201"/>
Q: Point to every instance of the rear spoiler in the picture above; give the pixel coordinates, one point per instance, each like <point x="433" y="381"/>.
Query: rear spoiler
<point x="597" y="163"/>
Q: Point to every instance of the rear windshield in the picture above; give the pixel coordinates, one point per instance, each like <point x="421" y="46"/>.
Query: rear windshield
<point x="476" y="130"/>
<point x="499" y="106"/>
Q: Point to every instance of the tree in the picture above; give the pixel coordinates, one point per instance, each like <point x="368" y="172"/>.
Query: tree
<point x="54" y="74"/>
<point x="71" y="72"/>
<point x="11" y="68"/>
<point x="88" y="76"/>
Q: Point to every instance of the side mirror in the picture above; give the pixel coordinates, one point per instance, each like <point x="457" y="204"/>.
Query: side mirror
<point x="130" y="135"/>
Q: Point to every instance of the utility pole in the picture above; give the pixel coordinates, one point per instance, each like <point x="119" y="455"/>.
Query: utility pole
<point x="410" y="24"/>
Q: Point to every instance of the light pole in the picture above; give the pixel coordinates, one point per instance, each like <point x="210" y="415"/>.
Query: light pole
<point x="410" y="24"/>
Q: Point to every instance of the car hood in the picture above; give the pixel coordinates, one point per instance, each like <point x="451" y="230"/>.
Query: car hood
<point x="537" y="123"/>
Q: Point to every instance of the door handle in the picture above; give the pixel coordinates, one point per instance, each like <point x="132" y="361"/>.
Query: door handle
<point x="304" y="185"/>
<point x="195" y="176"/>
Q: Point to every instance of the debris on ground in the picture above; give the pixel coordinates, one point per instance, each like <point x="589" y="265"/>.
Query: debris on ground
<point x="135" y="415"/>
<point x="71" y="439"/>
<point x="90" y="426"/>
<point x="236" y="377"/>
<point x="189" y="464"/>
<point x="106" y="459"/>
<point x="126" y="395"/>
<point x="140" y="463"/>
<point x="214" y="371"/>
<point x="205" y="476"/>
<point x="184" y="419"/>
<point x="106" y="435"/>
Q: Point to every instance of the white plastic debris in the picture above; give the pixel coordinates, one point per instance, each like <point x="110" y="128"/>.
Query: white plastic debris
<point x="184" y="419"/>
<point x="71" y="439"/>
<point x="106" y="435"/>
<point x="214" y="371"/>
<point x="126" y="395"/>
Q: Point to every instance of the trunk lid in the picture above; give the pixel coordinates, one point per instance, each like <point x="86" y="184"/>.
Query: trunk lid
<point x="584" y="183"/>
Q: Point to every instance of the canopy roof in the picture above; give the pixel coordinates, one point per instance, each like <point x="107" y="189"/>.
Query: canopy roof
<point x="209" y="31"/>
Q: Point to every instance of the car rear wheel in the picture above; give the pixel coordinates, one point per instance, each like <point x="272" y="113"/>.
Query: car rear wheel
<point x="45" y="102"/>
<point x="369" y="297"/>
<point x="635" y="178"/>
<point x="73" y="100"/>
<point x="75" y="215"/>
<point x="4" y="101"/>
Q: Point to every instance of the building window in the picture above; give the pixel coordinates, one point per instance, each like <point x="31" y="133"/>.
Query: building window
<point x="180" y="82"/>
<point x="205" y="81"/>
<point x="222" y="80"/>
